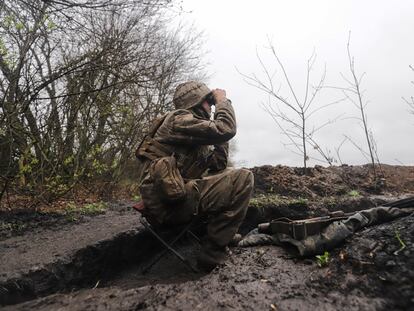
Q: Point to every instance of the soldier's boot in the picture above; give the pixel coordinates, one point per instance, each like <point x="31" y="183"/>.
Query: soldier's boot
<point x="236" y="239"/>
<point x="211" y="256"/>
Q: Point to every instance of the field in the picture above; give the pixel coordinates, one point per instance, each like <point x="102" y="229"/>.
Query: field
<point x="90" y="257"/>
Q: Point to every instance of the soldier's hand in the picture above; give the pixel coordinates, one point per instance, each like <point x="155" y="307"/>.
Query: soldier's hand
<point x="219" y="95"/>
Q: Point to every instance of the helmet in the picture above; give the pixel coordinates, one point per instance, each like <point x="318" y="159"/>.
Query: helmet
<point x="190" y="94"/>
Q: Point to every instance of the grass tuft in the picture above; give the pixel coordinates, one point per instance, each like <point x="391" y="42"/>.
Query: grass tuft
<point x="354" y="193"/>
<point x="264" y="200"/>
<point x="402" y="244"/>
<point x="72" y="211"/>
<point x="323" y="260"/>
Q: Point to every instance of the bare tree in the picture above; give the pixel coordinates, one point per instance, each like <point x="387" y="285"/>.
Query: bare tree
<point x="410" y="101"/>
<point x="355" y="94"/>
<point x="292" y="114"/>
<point x="79" y="83"/>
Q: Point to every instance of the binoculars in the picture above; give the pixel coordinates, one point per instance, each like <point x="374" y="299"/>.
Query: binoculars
<point x="210" y="99"/>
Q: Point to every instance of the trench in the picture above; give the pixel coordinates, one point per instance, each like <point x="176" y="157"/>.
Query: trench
<point x="114" y="262"/>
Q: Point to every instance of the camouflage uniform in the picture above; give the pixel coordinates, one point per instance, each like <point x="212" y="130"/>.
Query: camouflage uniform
<point x="200" y="146"/>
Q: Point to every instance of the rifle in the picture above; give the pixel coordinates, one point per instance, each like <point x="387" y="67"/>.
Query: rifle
<point x="300" y="229"/>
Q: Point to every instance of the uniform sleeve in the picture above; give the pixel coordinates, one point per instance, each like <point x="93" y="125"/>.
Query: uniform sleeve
<point x="189" y="129"/>
<point x="219" y="157"/>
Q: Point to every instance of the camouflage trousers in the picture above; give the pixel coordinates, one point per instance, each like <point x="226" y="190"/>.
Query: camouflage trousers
<point x="223" y="198"/>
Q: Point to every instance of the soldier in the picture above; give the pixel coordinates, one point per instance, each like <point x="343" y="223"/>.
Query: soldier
<point x="200" y="147"/>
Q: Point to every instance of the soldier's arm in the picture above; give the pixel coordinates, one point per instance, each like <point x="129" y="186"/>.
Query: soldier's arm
<point x="189" y="129"/>
<point x="219" y="157"/>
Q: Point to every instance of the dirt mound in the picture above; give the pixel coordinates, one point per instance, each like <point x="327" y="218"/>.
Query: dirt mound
<point x="332" y="181"/>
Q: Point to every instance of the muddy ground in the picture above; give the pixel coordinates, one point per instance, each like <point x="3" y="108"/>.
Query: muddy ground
<point x="95" y="262"/>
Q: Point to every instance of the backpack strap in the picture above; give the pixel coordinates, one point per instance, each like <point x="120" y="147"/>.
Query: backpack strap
<point x="150" y="148"/>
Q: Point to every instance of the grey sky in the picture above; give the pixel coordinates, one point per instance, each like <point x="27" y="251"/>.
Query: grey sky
<point x="383" y="46"/>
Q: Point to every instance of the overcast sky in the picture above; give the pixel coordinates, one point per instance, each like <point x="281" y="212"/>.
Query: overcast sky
<point x="382" y="42"/>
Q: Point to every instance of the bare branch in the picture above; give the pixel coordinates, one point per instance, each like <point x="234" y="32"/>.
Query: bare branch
<point x="291" y="116"/>
<point x="284" y="72"/>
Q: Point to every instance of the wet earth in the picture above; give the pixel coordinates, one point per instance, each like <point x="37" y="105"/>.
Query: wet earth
<point x="96" y="264"/>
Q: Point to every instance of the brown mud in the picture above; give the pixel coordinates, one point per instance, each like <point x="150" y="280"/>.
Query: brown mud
<point x="96" y="262"/>
<point x="333" y="181"/>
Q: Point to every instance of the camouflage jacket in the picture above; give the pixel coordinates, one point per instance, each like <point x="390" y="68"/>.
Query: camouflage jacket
<point x="200" y="146"/>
